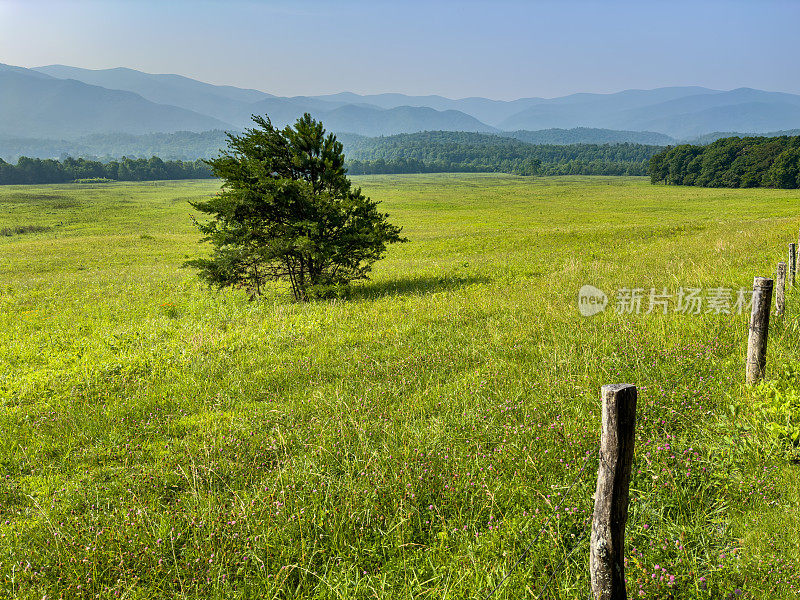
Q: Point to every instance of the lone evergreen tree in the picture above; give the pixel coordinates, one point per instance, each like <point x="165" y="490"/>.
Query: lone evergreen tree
<point x="288" y="211"/>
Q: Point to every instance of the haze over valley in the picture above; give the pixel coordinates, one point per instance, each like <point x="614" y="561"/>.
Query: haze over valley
<point x="53" y="110"/>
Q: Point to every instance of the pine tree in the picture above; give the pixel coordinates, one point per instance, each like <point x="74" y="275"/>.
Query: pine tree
<point x="287" y="210"/>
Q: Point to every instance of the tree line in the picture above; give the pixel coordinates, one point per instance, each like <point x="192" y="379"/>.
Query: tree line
<point x="37" y="170"/>
<point x="736" y="162"/>
<point x="514" y="167"/>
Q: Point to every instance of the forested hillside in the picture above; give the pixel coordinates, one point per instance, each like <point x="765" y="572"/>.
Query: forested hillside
<point x="448" y="151"/>
<point x="731" y="162"/>
<point x="590" y="135"/>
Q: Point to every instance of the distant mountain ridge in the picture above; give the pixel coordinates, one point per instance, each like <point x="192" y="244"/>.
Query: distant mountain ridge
<point x="234" y="106"/>
<point x="42" y="106"/>
<point x="220" y="102"/>
<point x="63" y="102"/>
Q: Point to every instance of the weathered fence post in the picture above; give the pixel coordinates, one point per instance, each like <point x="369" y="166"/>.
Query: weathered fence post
<point x="607" y="550"/>
<point x="759" y="329"/>
<point x="780" y="292"/>
<point x="792" y="263"/>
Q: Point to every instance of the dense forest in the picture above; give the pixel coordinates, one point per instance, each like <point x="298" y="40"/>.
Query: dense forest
<point x="36" y="170"/>
<point x="514" y="167"/>
<point x="453" y="152"/>
<point x="731" y="162"/>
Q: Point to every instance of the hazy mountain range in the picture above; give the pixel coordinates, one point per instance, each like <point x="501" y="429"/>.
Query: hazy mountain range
<point x="65" y="103"/>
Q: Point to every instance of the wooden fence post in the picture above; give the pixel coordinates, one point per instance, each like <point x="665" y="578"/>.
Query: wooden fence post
<point x="607" y="549"/>
<point x="759" y="329"/>
<point x="780" y="292"/>
<point x="792" y="263"/>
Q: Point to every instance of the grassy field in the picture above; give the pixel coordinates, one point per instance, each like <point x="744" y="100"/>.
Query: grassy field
<point x="162" y="440"/>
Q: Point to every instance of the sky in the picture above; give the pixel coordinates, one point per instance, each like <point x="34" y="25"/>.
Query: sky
<point x="500" y="49"/>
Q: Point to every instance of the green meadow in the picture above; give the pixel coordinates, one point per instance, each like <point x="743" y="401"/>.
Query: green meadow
<point x="160" y="439"/>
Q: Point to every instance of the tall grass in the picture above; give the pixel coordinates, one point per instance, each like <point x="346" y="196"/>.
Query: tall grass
<point x="160" y="439"/>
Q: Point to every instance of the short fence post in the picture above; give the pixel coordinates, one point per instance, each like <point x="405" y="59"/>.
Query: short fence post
<point x="792" y="263"/>
<point x="607" y="549"/>
<point x="780" y="292"/>
<point x="759" y="329"/>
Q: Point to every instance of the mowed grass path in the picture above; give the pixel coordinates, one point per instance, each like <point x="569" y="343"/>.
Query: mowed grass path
<point x="162" y="440"/>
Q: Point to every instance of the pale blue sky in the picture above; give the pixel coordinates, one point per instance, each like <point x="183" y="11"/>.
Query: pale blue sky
<point x="503" y="49"/>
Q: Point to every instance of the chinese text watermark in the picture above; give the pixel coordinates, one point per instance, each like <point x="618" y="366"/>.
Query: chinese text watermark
<point x="684" y="300"/>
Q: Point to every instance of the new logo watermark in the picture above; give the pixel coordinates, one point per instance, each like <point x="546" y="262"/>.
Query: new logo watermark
<point x="684" y="300"/>
<point x="591" y="300"/>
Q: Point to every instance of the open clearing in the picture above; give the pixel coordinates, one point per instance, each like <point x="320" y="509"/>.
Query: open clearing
<point x="160" y="439"/>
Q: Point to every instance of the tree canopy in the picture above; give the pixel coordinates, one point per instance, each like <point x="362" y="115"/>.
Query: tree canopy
<point x="731" y="162"/>
<point x="287" y="210"/>
<point x="37" y="170"/>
